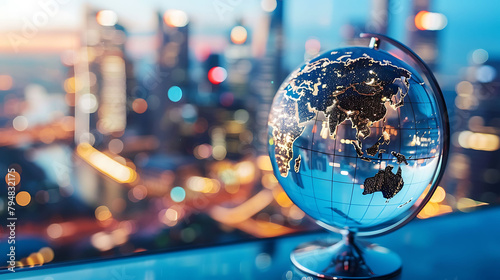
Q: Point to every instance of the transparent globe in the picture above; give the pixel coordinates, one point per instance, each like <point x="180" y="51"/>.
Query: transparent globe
<point x="355" y="138"/>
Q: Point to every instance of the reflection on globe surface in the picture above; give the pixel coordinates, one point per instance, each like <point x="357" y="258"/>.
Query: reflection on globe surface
<point x="354" y="137"/>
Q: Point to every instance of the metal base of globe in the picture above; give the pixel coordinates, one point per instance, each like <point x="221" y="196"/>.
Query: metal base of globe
<point x="346" y="259"/>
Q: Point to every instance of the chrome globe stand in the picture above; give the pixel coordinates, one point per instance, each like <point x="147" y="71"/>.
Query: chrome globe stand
<point x="349" y="258"/>
<point x="346" y="259"/>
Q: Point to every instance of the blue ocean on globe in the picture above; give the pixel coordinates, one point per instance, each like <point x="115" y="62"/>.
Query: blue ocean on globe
<point x="354" y="137"/>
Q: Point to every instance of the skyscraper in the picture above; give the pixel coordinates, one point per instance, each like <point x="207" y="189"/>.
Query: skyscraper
<point x="268" y="74"/>
<point x="172" y="75"/>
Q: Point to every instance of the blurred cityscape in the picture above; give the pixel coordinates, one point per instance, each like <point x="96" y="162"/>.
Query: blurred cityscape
<point x="127" y="140"/>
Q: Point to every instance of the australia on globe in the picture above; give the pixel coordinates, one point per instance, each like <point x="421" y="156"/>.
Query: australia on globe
<point x="353" y="135"/>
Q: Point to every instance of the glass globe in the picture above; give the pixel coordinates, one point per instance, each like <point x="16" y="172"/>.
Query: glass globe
<point x="355" y="138"/>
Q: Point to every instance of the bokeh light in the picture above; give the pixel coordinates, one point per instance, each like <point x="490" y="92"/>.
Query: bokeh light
<point x="176" y="18"/>
<point x="268" y="5"/>
<point x="23" y="198"/>
<point x="88" y="103"/>
<point x="425" y="20"/>
<point x="175" y="94"/>
<point x="20" y="123"/>
<point x="217" y="75"/>
<point x="480" y="56"/>
<point x="139" y="105"/>
<point x="54" y="231"/>
<point x="313" y="46"/>
<point x="102" y="213"/>
<point x="107" y="18"/>
<point x="6" y="82"/>
<point x="239" y="34"/>
<point x="178" y="194"/>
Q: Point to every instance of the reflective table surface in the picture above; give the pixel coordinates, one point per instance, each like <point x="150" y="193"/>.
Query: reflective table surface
<point x="455" y="246"/>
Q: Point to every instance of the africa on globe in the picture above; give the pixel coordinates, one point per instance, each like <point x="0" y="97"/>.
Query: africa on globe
<point x="354" y="137"/>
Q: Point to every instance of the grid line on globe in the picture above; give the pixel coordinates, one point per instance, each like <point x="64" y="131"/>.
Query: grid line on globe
<point x="325" y="172"/>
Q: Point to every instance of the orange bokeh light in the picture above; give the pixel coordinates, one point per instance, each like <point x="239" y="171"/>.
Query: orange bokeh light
<point x="239" y="35"/>
<point x="419" y="20"/>
<point x="23" y="198"/>
<point x="139" y="105"/>
<point x="12" y="177"/>
<point x="5" y="82"/>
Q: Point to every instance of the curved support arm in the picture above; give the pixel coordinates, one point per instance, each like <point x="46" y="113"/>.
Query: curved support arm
<point x="374" y="43"/>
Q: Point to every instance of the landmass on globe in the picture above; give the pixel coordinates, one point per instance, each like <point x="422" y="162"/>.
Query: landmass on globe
<point x="343" y="89"/>
<point x="297" y="164"/>
<point x="399" y="157"/>
<point x="384" y="181"/>
<point x="349" y="89"/>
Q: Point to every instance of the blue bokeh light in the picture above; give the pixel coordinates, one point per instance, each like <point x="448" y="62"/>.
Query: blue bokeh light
<point x="178" y="194"/>
<point x="175" y="93"/>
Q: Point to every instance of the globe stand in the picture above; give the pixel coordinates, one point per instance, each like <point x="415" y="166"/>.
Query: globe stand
<point x="346" y="259"/>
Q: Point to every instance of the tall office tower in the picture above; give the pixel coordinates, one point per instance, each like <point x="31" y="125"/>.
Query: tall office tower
<point x="173" y="60"/>
<point x="238" y="56"/>
<point x="103" y="76"/>
<point x="474" y="162"/>
<point x="424" y="32"/>
<point x="268" y="73"/>
<point x="172" y="76"/>
<point x="379" y="17"/>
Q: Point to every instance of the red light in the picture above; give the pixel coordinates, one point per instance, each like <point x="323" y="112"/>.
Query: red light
<point x="217" y="75"/>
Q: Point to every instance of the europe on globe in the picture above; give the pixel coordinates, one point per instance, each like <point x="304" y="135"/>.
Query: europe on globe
<point x="354" y="137"/>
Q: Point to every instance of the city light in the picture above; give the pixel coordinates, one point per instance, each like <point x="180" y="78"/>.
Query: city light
<point x="58" y="230"/>
<point x="115" y="146"/>
<point x="175" y="18"/>
<point x="268" y="5"/>
<point x="88" y="103"/>
<point x="138" y="193"/>
<point x="5" y="82"/>
<point x="219" y="152"/>
<point x="174" y="94"/>
<point x="485" y="74"/>
<point x="139" y="105"/>
<point x="23" y="198"/>
<point x="439" y="195"/>
<point x="47" y="254"/>
<point x="466" y="204"/>
<point x="202" y="151"/>
<point x="264" y="163"/>
<point x="203" y="184"/>
<point x="313" y="46"/>
<point x="425" y="20"/>
<point x="20" y="123"/>
<point x="178" y="194"/>
<point x="241" y="116"/>
<point x="54" y="231"/>
<point x="107" y="18"/>
<point x="282" y="198"/>
<point x="245" y="210"/>
<point x="170" y="216"/>
<point x="217" y="75"/>
<point x="479" y="56"/>
<point x="464" y="88"/>
<point x="245" y="171"/>
<point x="478" y="141"/>
<point x="106" y="165"/>
<point x="239" y="35"/>
<point x="102" y="213"/>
